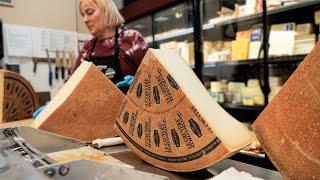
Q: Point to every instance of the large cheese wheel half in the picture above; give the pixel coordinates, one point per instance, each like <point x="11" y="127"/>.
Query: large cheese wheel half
<point x="169" y="120"/>
<point x="85" y="108"/>
<point x="18" y="100"/>
<point x="289" y="127"/>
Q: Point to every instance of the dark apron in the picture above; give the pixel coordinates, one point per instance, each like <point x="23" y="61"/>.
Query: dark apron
<point x="109" y="65"/>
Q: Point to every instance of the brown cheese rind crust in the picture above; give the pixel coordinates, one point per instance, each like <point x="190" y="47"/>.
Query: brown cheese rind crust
<point x="289" y="127"/>
<point x="90" y="111"/>
<point x="19" y="98"/>
<point x="160" y="125"/>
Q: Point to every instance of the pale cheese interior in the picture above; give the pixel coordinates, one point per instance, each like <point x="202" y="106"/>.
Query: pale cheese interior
<point x="63" y="93"/>
<point x="232" y="133"/>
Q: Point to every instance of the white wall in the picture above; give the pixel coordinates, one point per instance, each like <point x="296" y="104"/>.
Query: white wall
<point x="57" y="14"/>
<point x="38" y="80"/>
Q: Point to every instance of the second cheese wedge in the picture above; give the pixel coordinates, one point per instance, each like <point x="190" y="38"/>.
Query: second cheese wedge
<point x="289" y="127"/>
<point x="169" y="120"/>
<point x="85" y="108"/>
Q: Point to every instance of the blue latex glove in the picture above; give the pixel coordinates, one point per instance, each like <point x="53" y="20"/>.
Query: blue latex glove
<point x="39" y="110"/>
<point x="127" y="81"/>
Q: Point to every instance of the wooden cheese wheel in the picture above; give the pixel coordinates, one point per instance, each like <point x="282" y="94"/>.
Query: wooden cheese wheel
<point x="289" y="127"/>
<point x="18" y="98"/>
<point x="85" y="108"/>
<point x="169" y="120"/>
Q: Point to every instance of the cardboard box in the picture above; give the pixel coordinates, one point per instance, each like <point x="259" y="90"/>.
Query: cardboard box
<point x="284" y="27"/>
<point x="240" y="49"/>
<point x="304" y="29"/>
<point x="317" y="17"/>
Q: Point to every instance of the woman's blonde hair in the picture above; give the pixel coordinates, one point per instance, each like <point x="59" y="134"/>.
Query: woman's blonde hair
<point x="112" y="16"/>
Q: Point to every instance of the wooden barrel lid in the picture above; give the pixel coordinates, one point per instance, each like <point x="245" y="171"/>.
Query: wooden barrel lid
<point x="19" y="98"/>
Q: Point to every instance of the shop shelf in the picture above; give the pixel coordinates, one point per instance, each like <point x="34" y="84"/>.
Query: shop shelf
<point x="222" y="22"/>
<point x="242" y="107"/>
<point x="272" y="60"/>
<point x="181" y="32"/>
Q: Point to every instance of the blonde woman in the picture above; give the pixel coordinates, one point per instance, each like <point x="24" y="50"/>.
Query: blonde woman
<point x="115" y="50"/>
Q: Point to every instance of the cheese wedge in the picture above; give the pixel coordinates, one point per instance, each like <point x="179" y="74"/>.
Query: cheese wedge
<point x="169" y="120"/>
<point x="85" y="108"/>
<point x="289" y="127"/>
<point x="18" y="100"/>
<point x="88" y="153"/>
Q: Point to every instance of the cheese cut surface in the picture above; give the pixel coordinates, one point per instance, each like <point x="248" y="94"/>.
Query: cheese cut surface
<point x="87" y="153"/>
<point x="169" y="120"/>
<point x="289" y="127"/>
<point x="18" y="99"/>
<point x="85" y="108"/>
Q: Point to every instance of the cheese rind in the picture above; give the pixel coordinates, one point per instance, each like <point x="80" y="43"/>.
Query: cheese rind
<point x="85" y="108"/>
<point x="289" y="127"/>
<point x="169" y="119"/>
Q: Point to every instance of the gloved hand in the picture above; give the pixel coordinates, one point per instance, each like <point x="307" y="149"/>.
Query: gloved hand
<point x="128" y="79"/>
<point x="39" y="110"/>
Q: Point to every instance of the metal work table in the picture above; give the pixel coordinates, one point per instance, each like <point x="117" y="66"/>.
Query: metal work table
<point x="47" y="142"/>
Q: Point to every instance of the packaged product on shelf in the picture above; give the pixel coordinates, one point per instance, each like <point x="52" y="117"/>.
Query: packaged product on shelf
<point x="259" y="6"/>
<point x="304" y="29"/>
<point x="224" y="85"/>
<point x="235" y="89"/>
<point x="247" y="9"/>
<point x="254" y="48"/>
<point x="275" y="81"/>
<point x="186" y="50"/>
<point x="217" y="45"/>
<point x="227" y="44"/>
<point x="281" y="43"/>
<point x="258" y="97"/>
<point x="207" y="49"/>
<point x="255" y="42"/>
<point x="289" y="2"/>
<point x="274" y="91"/>
<point x="250" y="7"/>
<point x="216" y="91"/>
<point x="284" y="27"/>
<point x="247" y="94"/>
<point x="213" y="57"/>
<point x="235" y="86"/>
<point x="226" y="13"/>
<point x="171" y="45"/>
<point x="243" y="34"/>
<point x="274" y="3"/>
<point x="251" y="3"/>
<point x="226" y="51"/>
<point x="256" y="33"/>
<point x="148" y="38"/>
<point x="317" y="17"/>
<point x="228" y="97"/>
<point x="240" y="49"/>
<point x="222" y="55"/>
<point x="304" y="43"/>
<point x="210" y="48"/>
